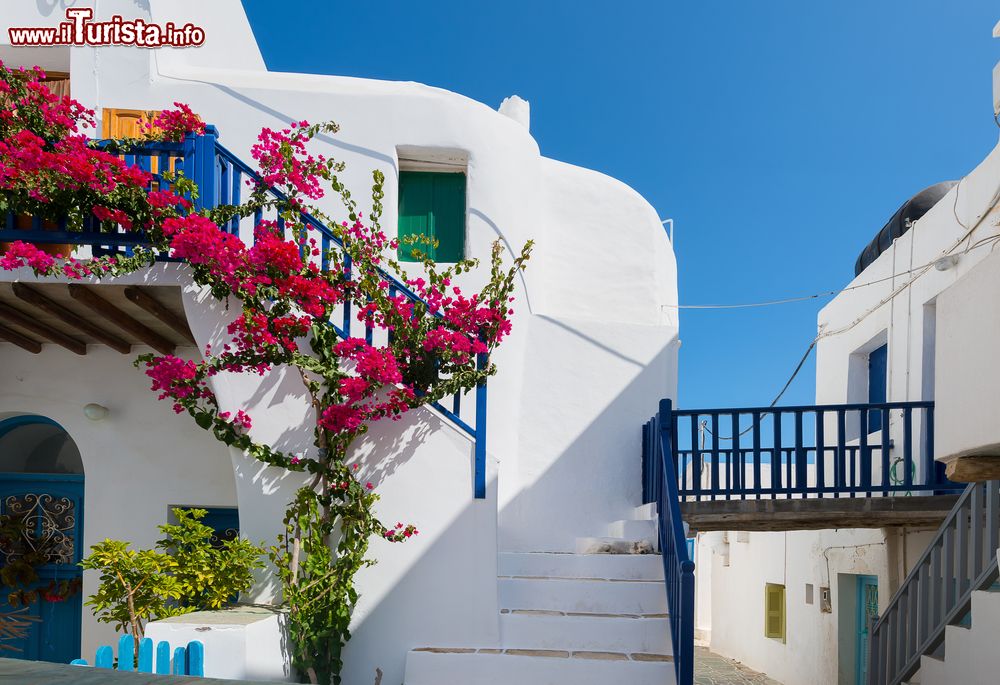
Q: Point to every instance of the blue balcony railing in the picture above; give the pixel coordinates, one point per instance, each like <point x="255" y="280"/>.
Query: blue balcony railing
<point x="221" y="176"/>
<point x="660" y="486"/>
<point x="807" y="451"/>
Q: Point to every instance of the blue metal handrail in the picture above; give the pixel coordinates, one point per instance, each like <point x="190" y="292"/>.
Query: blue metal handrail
<point x="660" y="486"/>
<point x="220" y="175"/>
<point x="807" y="451"/>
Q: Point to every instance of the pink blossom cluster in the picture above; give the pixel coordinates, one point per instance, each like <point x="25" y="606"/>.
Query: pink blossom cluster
<point x="285" y="162"/>
<point x="370" y="395"/>
<point x="20" y="254"/>
<point x="174" y="124"/>
<point x="241" y="420"/>
<point x="400" y="533"/>
<point x="60" y="115"/>
<point x="177" y="379"/>
<point x="29" y="165"/>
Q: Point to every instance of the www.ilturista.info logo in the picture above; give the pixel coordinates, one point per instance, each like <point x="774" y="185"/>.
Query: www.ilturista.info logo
<point x="80" y="30"/>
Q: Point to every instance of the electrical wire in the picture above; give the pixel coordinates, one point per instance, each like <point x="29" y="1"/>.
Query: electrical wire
<point x="802" y="298"/>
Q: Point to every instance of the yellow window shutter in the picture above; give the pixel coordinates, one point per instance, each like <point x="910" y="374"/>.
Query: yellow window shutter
<point x="125" y="123"/>
<point x="129" y="123"/>
<point x="774" y="611"/>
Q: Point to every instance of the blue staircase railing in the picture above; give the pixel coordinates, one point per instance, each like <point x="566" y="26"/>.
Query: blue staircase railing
<point x="836" y="450"/>
<point x="961" y="559"/>
<point x="220" y="176"/>
<point x="660" y="486"/>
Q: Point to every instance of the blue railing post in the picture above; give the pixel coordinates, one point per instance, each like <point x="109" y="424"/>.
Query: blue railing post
<point x="204" y="168"/>
<point x="678" y="569"/>
<point x="480" y="448"/>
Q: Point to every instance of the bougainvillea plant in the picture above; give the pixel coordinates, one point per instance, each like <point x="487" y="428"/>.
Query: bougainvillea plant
<point x="285" y="302"/>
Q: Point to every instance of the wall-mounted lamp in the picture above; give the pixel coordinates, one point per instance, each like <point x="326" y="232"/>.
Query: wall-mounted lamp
<point x="946" y="262"/>
<point x="95" y="412"/>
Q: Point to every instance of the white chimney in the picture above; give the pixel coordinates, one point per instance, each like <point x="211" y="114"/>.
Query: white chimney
<point x="518" y="109"/>
<point x="996" y="77"/>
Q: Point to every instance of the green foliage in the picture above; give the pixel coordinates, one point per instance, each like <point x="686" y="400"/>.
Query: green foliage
<point x="184" y="573"/>
<point x="135" y="586"/>
<point x="208" y="575"/>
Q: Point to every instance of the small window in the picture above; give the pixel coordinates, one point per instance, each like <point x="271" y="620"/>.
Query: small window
<point x="432" y="204"/>
<point x="774" y="611"/>
<point x="877" y="373"/>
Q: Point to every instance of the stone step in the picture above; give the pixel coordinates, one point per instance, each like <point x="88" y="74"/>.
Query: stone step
<point x="534" y="668"/>
<point x="533" y="630"/>
<point x="616" y="597"/>
<point x="633" y="530"/>
<point x="606" y="566"/>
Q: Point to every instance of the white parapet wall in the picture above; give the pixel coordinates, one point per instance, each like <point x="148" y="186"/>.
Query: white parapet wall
<point x="968" y="372"/>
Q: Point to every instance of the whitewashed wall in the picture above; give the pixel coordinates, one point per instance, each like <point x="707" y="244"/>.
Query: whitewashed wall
<point x="138" y="462"/>
<point x="819" y="646"/>
<point x="593" y="347"/>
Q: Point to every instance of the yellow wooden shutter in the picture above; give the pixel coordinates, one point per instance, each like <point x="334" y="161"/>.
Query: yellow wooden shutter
<point x="129" y="123"/>
<point x="124" y="123"/>
<point x="774" y="611"/>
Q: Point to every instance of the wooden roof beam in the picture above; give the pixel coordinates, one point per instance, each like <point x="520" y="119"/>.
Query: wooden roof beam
<point x="87" y="297"/>
<point x="24" y="342"/>
<point x="144" y="300"/>
<point x="17" y="317"/>
<point x="33" y="297"/>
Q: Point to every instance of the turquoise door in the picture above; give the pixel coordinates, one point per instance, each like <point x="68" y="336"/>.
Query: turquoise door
<point x="867" y="614"/>
<point x="41" y="506"/>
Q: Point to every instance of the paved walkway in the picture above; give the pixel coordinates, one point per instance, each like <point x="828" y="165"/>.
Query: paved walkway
<point x="712" y="669"/>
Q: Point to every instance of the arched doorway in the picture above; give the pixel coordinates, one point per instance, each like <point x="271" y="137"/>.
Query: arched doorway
<point x="41" y="535"/>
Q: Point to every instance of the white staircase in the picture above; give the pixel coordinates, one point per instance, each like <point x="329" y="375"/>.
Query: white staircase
<point x="970" y="655"/>
<point x="568" y="619"/>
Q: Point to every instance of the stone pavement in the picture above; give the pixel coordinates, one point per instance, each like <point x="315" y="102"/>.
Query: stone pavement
<point x="712" y="669"/>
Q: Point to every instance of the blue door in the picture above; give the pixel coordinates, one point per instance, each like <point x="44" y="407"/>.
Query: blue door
<point x="867" y="614"/>
<point x="41" y="542"/>
<point x="51" y="507"/>
<point x="878" y="369"/>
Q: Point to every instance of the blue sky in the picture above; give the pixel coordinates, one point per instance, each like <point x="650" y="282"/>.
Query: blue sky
<point x="779" y="134"/>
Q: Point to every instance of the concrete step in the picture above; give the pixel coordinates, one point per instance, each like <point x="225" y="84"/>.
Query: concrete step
<point x="614" y="545"/>
<point x="606" y="566"/>
<point x="970" y="655"/>
<point x="633" y="530"/>
<point x="645" y="512"/>
<point x="616" y="597"/>
<point x="554" y="668"/>
<point x="585" y="633"/>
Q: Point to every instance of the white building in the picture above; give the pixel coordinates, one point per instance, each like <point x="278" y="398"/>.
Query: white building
<point x="922" y="326"/>
<point x="594" y="346"/>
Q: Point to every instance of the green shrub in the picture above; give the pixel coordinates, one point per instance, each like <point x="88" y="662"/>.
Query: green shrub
<point x="185" y="572"/>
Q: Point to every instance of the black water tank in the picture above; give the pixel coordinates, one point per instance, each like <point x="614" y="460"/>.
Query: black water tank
<point x="912" y="209"/>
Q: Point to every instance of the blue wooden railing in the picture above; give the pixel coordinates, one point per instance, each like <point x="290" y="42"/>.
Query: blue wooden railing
<point x="660" y="486"/>
<point x="937" y="592"/>
<point x="188" y="660"/>
<point x="221" y="176"/>
<point x="806" y="451"/>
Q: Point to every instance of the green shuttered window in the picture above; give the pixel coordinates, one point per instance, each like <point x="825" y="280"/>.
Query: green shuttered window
<point x="432" y="204"/>
<point x="774" y="611"/>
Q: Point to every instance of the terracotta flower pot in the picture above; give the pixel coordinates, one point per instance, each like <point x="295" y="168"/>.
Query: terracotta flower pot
<point x="23" y="222"/>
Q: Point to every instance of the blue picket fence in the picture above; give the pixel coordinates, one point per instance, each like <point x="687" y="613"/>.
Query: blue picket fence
<point x="189" y="660"/>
